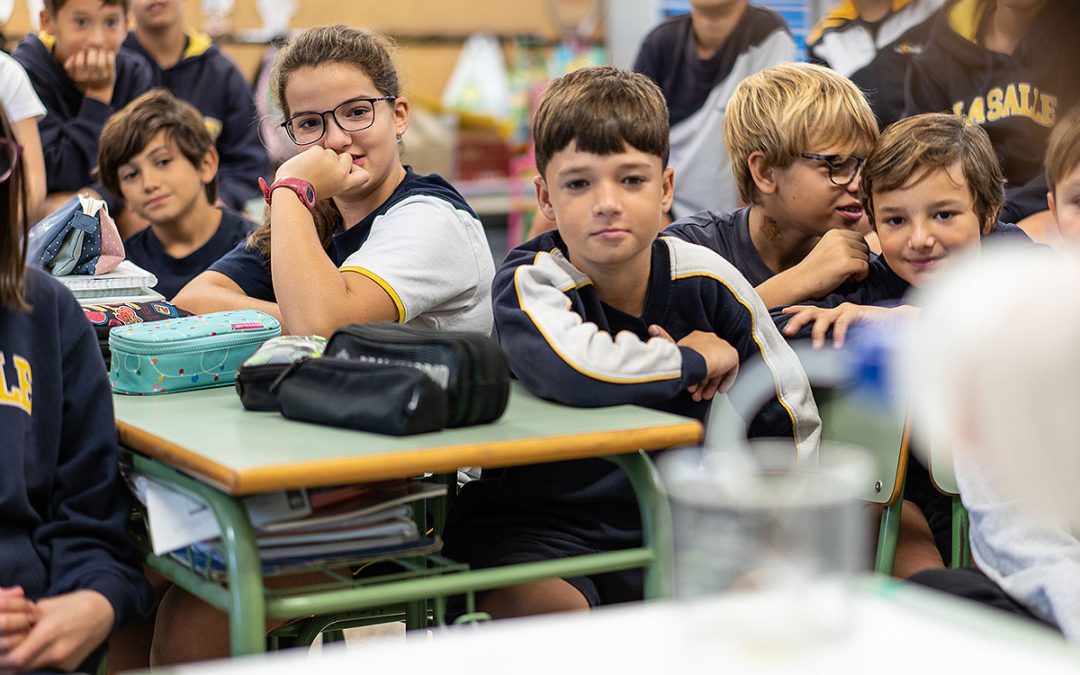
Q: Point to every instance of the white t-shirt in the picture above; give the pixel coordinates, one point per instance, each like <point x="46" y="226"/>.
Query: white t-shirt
<point x="432" y="258"/>
<point x="17" y="95"/>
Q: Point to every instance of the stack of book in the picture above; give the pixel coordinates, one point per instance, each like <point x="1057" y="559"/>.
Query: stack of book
<point x="127" y="283"/>
<point x="298" y="528"/>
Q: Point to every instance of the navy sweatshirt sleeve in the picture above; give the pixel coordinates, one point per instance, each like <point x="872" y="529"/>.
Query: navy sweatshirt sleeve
<point x="243" y="157"/>
<point x="559" y="355"/>
<point x="63" y="506"/>
<point x="87" y="531"/>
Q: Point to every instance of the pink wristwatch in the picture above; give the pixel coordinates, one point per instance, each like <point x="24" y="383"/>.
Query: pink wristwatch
<point x="303" y="189"/>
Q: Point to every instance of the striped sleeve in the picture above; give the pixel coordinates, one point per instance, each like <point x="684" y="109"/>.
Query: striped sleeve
<point x="557" y="354"/>
<point x="740" y="317"/>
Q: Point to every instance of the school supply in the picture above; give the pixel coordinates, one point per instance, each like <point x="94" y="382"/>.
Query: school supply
<point x="268" y="363"/>
<point x="106" y="316"/>
<point x="385" y="399"/>
<point x="295" y="528"/>
<point x="127" y="282"/>
<point x="78" y="238"/>
<point x="469" y="367"/>
<point x="193" y="352"/>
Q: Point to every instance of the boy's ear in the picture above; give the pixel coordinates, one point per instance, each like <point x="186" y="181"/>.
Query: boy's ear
<point x="762" y="172"/>
<point x="45" y="21"/>
<point x="209" y="165"/>
<point x="1052" y="205"/>
<point x="543" y="199"/>
<point x="667" y="185"/>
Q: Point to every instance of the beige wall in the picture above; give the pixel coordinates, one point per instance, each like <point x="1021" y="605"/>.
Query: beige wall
<point x="426" y="65"/>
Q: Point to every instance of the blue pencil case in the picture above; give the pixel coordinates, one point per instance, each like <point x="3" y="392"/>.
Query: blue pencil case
<point x="193" y="352"/>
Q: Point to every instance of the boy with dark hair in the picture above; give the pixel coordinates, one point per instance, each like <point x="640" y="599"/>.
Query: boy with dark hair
<point x="697" y="59"/>
<point x="82" y="76"/>
<point x="872" y="42"/>
<point x="157" y="153"/>
<point x="796" y="135"/>
<point x="603" y="312"/>
<point x="1009" y="66"/>
<point x="1063" y="177"/>
<point x="184" y="62"/>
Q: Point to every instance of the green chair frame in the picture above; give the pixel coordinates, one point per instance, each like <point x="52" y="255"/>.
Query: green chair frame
<point x="943" y="477"/>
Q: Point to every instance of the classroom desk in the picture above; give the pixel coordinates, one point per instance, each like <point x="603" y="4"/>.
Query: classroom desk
<point x="224" y="452"/>
<point x="894" y="628"/>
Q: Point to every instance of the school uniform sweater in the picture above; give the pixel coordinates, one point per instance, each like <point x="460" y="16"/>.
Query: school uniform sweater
<point x="697" y="92"/>
<point x="874" y="55"/>
<point x="1017" y="98"/>
<point x="566" y="344"/>
<point x="208" y="80"/>
<point x="726" y="233"/>
<point x="145" y="250"/>
<point x="63" y="506"/>
<point x="70" y="130"/>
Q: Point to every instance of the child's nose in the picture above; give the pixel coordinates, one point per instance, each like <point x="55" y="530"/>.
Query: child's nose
<point x="607" y="200"/>
<point x="922" y="234"/>
<point x="96" y="35"/>
<point x="335" y="138"/>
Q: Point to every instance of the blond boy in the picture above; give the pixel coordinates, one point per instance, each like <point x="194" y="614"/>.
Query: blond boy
<point x="797" y="135"/>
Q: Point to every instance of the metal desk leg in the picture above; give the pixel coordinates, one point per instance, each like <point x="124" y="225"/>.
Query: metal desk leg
<point x="246" y="604"/>
<point x="656" y="525"/>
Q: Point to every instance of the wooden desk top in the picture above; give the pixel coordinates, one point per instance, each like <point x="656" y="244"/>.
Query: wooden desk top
<point x="209" y="435"/>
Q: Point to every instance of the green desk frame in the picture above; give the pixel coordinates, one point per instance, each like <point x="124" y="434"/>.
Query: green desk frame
<point x="249" y="603"/>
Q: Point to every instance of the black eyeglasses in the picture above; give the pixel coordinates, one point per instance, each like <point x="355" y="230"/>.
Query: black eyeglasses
<point x="355" y="114"/>
<point x="842" y="168"/>
<point x="9" y="158"/>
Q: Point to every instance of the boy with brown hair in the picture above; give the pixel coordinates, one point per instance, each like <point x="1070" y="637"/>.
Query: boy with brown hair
<point x="82" y="76"/>
<point x="797" y="135"/>
<point x="932" y="188"/>
<point x="603" y="312"/>
<point x="1063" y="176"/>
<point x="157" y="153"/>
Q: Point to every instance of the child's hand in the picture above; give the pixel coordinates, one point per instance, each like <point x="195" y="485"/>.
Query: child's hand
<point x="17" y="616"/>
<point x="839" y="256"/>
<point x="839" y="319"/>
<point x="68" y="628"/>
<point x="721" y="361"/>
<point x="329" y="172"/>
<point x="93" y="71"/>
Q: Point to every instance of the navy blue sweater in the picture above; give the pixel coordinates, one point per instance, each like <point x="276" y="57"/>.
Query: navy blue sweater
<point x="145" y="250"/>
<point x="72" y="126"/>
<point x="63" y="506"/>
<point x="564" y="343"/>
<point x="208" y="80"/>
<point x="1016" y="97"/>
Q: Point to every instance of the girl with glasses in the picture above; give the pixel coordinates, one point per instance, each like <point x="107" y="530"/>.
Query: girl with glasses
<point x="68" y="575"/>
<point x="353" y="235"/>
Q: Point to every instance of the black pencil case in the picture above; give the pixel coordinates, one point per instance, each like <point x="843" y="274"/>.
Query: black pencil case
<point x="255" y="377"/>
<point x="469" y="367"/>
<point x="385" y="399"/>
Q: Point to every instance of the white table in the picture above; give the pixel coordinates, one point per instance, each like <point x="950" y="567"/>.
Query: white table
<point x="894" y="629"/>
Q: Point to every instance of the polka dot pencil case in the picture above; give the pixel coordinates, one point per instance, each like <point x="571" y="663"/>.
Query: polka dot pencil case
<point x="193" y="352"/>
